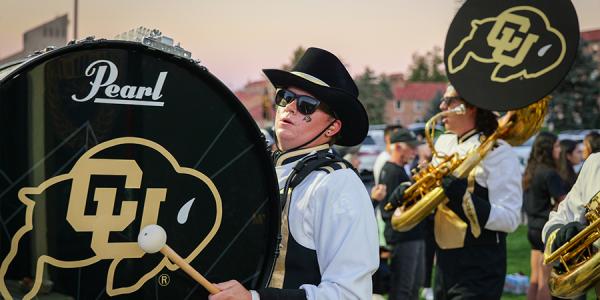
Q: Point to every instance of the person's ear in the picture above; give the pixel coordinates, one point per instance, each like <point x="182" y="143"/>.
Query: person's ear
<point x="334" y="128"/>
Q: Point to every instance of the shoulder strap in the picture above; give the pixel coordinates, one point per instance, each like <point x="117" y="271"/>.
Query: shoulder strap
<point x="321" y="161"/>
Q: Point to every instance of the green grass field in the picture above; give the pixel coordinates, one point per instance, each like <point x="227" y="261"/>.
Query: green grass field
<point x="517" y="254"/>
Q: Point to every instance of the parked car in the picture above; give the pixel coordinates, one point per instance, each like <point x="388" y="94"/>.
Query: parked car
<point x="576" y="135"/>
<point x="523" y="152"/>
<point x="419" y="130"/>
<point x="370" y="149"/>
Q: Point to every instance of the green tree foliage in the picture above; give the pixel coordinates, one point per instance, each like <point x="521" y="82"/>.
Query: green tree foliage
<point x="428" y="67"/>
<point x="294" y="59"/>
<point x="375" y="91"/>
<point x="574" y="104"/>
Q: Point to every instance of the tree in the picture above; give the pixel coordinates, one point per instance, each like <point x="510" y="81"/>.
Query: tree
<point x="294" y="59"/>
<point x="574" y="104"/>
<point x="375" y="91"/>
<point x="428" y="67"/>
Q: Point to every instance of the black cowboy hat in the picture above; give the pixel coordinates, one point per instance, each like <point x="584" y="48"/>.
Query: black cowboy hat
<point x="323" y="75"/>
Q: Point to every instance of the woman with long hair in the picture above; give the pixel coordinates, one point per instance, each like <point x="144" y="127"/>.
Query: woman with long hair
<point x="570" y="155"/>
<point x="543" y="188"/>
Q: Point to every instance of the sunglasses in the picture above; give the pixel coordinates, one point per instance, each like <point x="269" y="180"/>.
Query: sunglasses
<point x="449" y="100"/>
<point x="306" y="105"/>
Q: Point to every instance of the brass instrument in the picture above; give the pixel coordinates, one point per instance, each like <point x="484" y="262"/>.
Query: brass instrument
<point x="578" y="258"/>
<point x="421" y="198"/>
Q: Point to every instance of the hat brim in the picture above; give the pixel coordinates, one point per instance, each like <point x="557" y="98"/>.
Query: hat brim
<point x="347" y="108"/>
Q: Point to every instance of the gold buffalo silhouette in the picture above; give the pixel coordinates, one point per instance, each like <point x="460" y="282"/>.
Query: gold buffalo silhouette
<point x="104" y="222"/>
<point x="501" y="40"/>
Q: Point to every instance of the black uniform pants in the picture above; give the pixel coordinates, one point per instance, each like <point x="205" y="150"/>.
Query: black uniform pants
<point x="471" y="272"/>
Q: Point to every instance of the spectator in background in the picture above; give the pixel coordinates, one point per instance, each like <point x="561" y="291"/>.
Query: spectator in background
<point x="384" y="156"/>
<point x="570" y="156"/>
<point x="542" y="189"/>
<point x="591" y="144"/>
<point x="407" y="263"/>
<point x="353" y="159"/>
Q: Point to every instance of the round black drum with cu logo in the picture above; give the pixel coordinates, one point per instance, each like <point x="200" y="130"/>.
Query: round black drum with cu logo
<point x="102" y="138"/>
<point x="504" y="55"/>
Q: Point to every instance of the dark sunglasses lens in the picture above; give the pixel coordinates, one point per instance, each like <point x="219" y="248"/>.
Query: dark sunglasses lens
<point x="449" y="100"/>
<point x="307" y="105"/>
<point x="284" y="97"/>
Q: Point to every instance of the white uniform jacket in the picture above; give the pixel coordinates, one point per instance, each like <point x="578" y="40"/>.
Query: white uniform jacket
<point x="498" y="172"/>
<point x="572" y="207"/>
<point x="332" y="214"/>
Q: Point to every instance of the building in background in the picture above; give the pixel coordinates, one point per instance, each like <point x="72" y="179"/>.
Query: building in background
<point x="154" y="39"/>
<point x="257" y="97"/>
<point x="52" y="33"/>
<point x="411" y="101"/>
<point x="593" y="47"/>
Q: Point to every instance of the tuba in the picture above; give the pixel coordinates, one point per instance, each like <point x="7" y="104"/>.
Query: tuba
<point x="578" y="258"/>
<point x="421" y="198"/>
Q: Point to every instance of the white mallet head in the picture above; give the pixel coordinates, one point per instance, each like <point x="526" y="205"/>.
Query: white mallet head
<point x="152" y="238"/>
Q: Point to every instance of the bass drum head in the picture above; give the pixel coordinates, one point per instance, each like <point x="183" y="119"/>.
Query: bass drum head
<point x="103" y="138"/>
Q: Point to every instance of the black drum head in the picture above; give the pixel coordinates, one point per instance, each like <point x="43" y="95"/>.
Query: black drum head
<point x="505" y="55"/>
<point x="103" y="138"/>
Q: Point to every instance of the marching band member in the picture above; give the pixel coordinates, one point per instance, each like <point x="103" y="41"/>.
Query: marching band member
<point x="470" y="229"/>
<point x="569" y="219"/>
<point x="329" y="246"/>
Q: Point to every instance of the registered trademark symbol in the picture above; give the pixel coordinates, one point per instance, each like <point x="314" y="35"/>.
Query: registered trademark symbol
<point x="163" y="279"/>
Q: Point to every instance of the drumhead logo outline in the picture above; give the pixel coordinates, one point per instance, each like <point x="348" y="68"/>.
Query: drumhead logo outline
<point x="502" y="39"/>
<point x="105" y="197"/>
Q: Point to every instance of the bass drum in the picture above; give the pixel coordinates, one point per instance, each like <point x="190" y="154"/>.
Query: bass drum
<point x="102" y="138"/>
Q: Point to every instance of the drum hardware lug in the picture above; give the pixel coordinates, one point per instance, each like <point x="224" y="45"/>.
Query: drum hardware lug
<point x="90" y="38"/>
<point x="42" y="51"/>
<point x="277" y="249"/>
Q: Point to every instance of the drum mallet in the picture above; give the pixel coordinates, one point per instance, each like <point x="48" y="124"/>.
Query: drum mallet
<point x="153" y="238"/>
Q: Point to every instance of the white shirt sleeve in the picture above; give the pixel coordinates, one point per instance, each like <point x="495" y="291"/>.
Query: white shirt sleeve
<point x="572" y="207"/>
<point x="504" y="189"/>
<point x="383" y="157"/>
<point x="345" y="238"/>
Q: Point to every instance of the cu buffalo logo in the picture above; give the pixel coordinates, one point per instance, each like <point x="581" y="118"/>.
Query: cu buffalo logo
<point x="113" y="190"/>
<point x="520" y="42"/>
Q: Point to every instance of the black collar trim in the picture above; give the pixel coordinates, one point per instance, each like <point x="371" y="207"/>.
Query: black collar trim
<point x="467" y="135"/>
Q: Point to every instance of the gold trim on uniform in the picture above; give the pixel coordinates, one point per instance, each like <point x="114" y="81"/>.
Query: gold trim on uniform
<point x="450" y="230"/>
<point x="299" y="152"/>
<point x="467" y="135"/>
<point x="279" y="270"/>
<point x="469" y="207"/>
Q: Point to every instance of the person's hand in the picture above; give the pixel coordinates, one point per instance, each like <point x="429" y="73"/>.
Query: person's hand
<point x="397" y="196"/>
<point x="454" y="187"/>
<point x="378" y="192"/>
<point x="565" y="233"/>
<point x="231" y="290"/>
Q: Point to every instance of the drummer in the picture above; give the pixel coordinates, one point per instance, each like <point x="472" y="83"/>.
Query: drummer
<point x="329" y="246"/>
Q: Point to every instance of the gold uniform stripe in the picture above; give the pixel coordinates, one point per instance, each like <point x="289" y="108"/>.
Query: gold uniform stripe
<point x="469" y="207"/>
<point x="287" y="155"/>
<point x="279" y="271"/>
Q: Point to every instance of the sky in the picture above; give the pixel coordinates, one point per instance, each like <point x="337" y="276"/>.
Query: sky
<point x="235" y="39"/>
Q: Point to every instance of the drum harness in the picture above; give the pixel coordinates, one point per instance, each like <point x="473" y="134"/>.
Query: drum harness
<point x="322" y="160"/>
